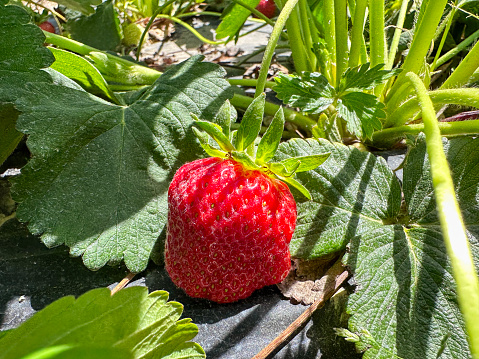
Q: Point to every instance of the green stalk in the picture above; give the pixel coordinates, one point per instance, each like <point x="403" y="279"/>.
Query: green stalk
<point x="431" y="13"/>
<point x="389" y="136"/>
<point x="460" y="97"/>
<point x="357" y="31"/>
<point x="273" y="40"/>
<point x="464" y="70"/>
<point x="453" y="52"/>
<point x="69" y="44"/>
<point x="397" y="35"/>
<point x="150" y="22"/>
<point x="249" y="83"/>
<point x="455" y="238"/>
<point x="377" y="42"/>
<point x="298" y="51"/>
<point x="306" y="21"/>
<point x="329" y="23"/>
<point x="341" y="30"/>
<point x="240" y="101"/>
<point x="449" y="19"/>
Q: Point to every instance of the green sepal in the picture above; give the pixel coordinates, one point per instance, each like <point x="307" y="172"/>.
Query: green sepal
<point x="307" y="163"/>
<point x="251" y="123"/>
<point x="293" y="183"/>
<point x="270" y="141"/>
<point x="210" y="150"/>
<point x="246" y="160"/>
<point x="225" y="116"/>
<point x="215" y="132"/>
<point x="281" y="170"/>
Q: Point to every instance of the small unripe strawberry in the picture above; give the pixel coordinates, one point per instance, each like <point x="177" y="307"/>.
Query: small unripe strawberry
<point x="267" y="8"/>
<point x="231" y="217"/>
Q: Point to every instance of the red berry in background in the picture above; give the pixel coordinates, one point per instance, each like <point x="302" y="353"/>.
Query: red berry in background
<point x="47" y="26"/>
<point x="228" y="229"/>
<point x="267" y="8"/>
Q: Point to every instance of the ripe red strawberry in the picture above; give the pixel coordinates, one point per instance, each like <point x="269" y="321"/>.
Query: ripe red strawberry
<point x="267" y="8"/>
<point x="231" y="217"/>
<point x="47" y="26"/>
<point x="228" y="229"/>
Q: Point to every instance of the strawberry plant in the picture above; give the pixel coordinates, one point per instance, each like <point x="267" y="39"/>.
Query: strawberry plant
<point x="102" y="163"/>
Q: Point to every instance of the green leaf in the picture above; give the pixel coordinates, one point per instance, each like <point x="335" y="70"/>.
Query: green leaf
<point x="233" y="18"/>
<point x="353" y="193"/>
<point x="362" y="113"/>
<point x="251" y="123"/>
<point x="131" y="321"/>
<point x="86" y="7"/>
<point x="216" y="133"/>
<point x="307" y="163"/>
<point x="81" y="71"/>
<point x="246" y="160"/>
<point x="311" y="92"/>
<point x="204" y="138"/>
<point x="406" y="295"/>
<point x="363" y="78"/>
<point x="100" y="30"/>
<point x="78" y="352"/>
<point x="270" y="141"/>
<point x="9" y="135"/>
<point x="111" y="164"/>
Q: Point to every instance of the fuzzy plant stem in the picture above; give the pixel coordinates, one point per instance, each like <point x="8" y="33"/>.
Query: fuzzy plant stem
<point x="397" y="35"/>
<point x="341" y="30"/>
<point x="240" y="101"/>
<point x="357" y="30"/>
<point x="447" y="27"/>
<point x="273" y="40"/>
<point x="453" y="52"/>
<point x="464" y="70"/>
<point x="429" y="18"/>
<point x="457" y="243"/>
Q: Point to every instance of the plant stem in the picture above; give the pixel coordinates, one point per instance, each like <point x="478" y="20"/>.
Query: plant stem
<point x="397" y="35"/>
<point x="461" y="97"/>
<point x="307" y="36"/>
<point x="377" y="41"/>
<point x="249" y="83"/>
<point x="464" y="70"/>
<point x="453" y="52"/>
<point x="240" y="101"/>
<point x="296" y="42"/>
<point x="389" y="136"/>
<point x="448" y="20"/>
<point x="357" y="30"/>
<point x="429" y="18"/>
<point x="273" y="40"/>
<point x="68" y="44"/>
<point x="341" y="30"/>
<point x="457" y="243"/>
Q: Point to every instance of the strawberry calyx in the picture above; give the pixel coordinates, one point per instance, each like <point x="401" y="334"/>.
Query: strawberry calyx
<point x="241" y="145"/>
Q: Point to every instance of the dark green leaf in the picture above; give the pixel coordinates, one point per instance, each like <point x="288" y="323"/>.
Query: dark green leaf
<point x="307" y="163"/>
<point x="406" y="295"/>
<point x="78" y="352"/>
<point x="9" y="135"/>
<point x="86" y="7"/>
<point x="363" y="78"/>
<point x="362" y="113"/>
<point x="233" y="18"/>
<point x="216" y="133"/>
<point x="311" y="92"/>
<point x="81" y="71"/>
<point x="353" y="193"/>
<point x="251" y="123"/>
<point x="270" y="141"/>
<point x="100" y="30"/>
<point x="131" y="321"/>
<point x="111" y="163"/>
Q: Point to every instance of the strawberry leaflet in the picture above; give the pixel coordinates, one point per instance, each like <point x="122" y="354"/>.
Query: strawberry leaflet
<point x="98" y="177"/>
